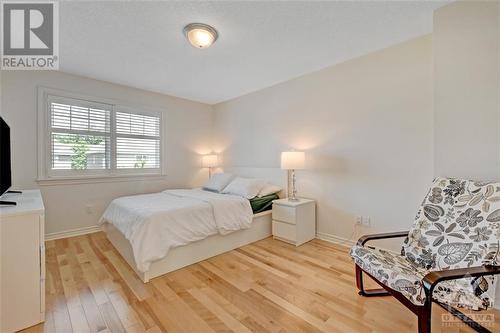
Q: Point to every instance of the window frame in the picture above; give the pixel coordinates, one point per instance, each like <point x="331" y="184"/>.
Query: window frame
<point x="45" y="171"/>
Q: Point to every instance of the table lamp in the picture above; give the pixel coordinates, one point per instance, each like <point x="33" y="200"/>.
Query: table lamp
<point x="209" y="161"/>
<point x="291" y="161"/>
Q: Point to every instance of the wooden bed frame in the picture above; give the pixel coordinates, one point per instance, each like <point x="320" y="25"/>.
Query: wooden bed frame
<point x="194" y="252"/>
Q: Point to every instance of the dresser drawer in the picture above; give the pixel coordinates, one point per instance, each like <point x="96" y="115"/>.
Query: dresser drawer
<point x="284" y="214"/>
<point x="285" y="231"/>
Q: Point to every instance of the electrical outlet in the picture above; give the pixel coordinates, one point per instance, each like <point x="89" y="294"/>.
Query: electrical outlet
<point x="359" y="220"/>
<point x="363" y="221"/>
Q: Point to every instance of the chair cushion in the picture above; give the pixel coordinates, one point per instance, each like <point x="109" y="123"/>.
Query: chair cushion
<point x="404" y="276"/>
<point x="457" y="225"/>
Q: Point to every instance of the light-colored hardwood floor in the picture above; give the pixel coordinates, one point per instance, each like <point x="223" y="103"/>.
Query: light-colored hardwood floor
<point x="268" y="286"/>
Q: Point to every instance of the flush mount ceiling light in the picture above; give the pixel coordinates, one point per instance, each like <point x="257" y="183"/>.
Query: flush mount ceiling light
<point x="200" y="35"/>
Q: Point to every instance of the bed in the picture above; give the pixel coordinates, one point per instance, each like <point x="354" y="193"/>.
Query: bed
<point x="162" y="232"/>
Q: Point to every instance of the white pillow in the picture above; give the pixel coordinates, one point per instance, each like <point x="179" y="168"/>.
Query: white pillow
<point x="218" y="182"/>
<point x="245" y="187"/>
<point x="268" y="189"/>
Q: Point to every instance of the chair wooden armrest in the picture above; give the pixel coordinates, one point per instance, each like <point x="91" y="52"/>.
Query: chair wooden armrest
<point x="385" y="235"/>
<point x="431" y="279"/>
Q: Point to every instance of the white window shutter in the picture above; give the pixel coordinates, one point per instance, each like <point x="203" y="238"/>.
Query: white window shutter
<point x="137" y="140"/>
<point x="79" y="134"/>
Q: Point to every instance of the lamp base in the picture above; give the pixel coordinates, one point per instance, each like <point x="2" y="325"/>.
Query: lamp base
<point x="293" y="197"/>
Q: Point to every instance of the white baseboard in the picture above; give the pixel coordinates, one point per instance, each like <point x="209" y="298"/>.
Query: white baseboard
<point x="73" y="232"/>
<point x="335" y="239"/>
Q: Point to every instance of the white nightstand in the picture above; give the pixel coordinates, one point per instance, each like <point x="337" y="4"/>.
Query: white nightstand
<point x="294" y="221"/>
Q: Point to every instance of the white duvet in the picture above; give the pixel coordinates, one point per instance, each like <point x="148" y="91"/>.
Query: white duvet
<point x="156" y="223"/>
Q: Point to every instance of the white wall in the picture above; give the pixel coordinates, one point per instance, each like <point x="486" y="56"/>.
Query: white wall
<point x="366" y="127"/>
<point x="189" y="128"/>
<point x="466" y="89"/>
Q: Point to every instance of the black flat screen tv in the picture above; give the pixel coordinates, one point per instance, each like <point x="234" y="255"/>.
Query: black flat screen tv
<point x="5" y="172"/>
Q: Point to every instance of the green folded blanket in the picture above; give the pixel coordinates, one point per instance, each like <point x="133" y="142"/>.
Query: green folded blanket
<point x="263" y="203"/>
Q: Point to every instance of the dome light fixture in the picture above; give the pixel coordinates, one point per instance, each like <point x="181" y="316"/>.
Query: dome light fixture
<point x="200" y="35"/>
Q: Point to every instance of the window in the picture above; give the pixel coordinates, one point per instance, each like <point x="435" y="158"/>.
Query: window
<point x="85" y="138"/>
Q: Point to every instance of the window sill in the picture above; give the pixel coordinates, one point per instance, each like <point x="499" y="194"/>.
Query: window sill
<point x="98" y="179"/>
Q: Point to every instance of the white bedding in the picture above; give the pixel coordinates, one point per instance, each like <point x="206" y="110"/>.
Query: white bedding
<point x="156" y="223"/>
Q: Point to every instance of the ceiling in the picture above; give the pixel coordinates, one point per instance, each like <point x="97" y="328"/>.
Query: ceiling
<point x="140" y="44"/>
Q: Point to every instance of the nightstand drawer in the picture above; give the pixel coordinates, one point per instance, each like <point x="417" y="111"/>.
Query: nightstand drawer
<point x="285" y="231"/>
<point x="284" y="214"/>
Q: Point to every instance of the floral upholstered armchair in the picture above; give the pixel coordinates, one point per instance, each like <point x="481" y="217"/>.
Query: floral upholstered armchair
<point x="450" y="255"/>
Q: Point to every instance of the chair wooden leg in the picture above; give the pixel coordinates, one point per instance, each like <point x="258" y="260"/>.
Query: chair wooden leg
<point x="370" y="292"/>
<point x="424" y="318"/>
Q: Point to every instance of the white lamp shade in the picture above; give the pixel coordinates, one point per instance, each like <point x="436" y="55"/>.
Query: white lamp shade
<point x="209" y="161"/>
<point x="292" y="160"/>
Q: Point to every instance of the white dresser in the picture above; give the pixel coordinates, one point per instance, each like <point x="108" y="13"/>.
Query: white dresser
<point x="22" y="261"/>
<point x="294" y="221"/>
